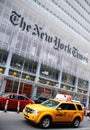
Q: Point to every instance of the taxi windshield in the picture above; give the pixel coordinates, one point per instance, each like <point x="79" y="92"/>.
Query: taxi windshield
<point x="50" y="103"/>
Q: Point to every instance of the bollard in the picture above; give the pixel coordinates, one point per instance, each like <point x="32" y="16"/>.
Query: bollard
<point x="6" y="106"/>
<point x="18" y="107"/>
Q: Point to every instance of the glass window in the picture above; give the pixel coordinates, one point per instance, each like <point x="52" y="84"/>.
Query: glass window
<point x="67" y="78"/>
<point x="3" y="56"/>
<point x="71" y="107"/>
<point x="11" y="86"/>
<point x="50" y="103"/>
<point x="14" y="97"/>
<point x="83" y="83"/>
<point x="17" y="61"/>
<point x="30" y="66"/>
<point x="67" y="87"/>
<point x="65" y="106"/>
<point x="28" y="77"/>
<point x="79" y="107"/>
<point x="20" y="97"/>
<point x="25" y="98"/>
<point x="14" y="73"/>
<point x="49" y="72"/>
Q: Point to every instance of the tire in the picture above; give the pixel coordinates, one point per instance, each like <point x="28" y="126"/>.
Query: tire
<point x="45" y="122"/>
<point x="76" y="122"/>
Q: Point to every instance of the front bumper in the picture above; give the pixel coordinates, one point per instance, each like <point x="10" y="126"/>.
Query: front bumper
<point x="31" y="117"/>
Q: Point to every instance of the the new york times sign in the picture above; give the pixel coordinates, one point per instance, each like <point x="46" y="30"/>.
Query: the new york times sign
<point x="36" y="30"/>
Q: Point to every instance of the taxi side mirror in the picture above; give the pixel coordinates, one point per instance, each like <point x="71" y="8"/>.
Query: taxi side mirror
<point x="59" y="108"/>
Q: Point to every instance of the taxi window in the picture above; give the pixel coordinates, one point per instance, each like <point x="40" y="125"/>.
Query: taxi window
<point x="63" y="106"/>
<point x="66" y="106"/>
<point x="79" y="107"/>
<point x="50" y="103"/>
<point x="71" y="107"/>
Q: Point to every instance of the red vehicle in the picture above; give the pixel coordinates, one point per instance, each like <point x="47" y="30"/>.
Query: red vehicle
<point x="14" y="101"/>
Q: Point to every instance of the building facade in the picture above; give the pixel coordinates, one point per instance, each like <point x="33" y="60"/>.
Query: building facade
<point x="44" y="49"/>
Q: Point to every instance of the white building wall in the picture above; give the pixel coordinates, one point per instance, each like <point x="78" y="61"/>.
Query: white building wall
<point x="22" y="42"/>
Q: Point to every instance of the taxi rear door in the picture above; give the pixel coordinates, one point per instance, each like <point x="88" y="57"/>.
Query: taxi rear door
<point x="65" y="112"/>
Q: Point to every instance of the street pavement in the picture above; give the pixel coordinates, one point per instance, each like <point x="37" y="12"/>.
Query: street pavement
<point x="15" y="121"/>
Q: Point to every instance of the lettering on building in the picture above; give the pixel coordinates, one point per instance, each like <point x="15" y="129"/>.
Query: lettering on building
<point x="36" y="30"/>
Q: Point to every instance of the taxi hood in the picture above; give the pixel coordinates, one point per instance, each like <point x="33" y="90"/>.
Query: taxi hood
<point x="37" y="107"/>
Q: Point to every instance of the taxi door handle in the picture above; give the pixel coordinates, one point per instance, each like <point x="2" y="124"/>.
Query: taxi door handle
<point x="64" y="113"/>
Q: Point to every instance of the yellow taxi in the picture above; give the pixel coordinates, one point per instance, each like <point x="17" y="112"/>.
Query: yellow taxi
<point x="54" y="111"/>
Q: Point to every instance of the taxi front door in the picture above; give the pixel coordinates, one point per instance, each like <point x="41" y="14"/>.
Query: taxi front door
<point x="61" y="116"/>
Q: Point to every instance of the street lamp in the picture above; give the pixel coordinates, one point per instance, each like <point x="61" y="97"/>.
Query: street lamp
<point x="1" y="70"/>
<point x="14" y="73"/>
<point x="64" y="87"/>
<point x="27" y="76"/>
<point x="56" y="85"/>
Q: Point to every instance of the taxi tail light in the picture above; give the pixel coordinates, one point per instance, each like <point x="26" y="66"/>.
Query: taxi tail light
<point x="83" y="115"/>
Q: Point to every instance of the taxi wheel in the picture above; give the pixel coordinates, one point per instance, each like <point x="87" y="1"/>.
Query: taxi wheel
<point x="45" y="122"/>
<point x="76" y="123"/>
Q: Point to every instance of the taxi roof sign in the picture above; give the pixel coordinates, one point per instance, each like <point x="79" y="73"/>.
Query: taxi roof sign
<point x="63" y="97"/>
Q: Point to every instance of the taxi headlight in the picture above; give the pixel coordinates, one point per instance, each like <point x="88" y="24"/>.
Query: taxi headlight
<point x="34" y="112"/>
